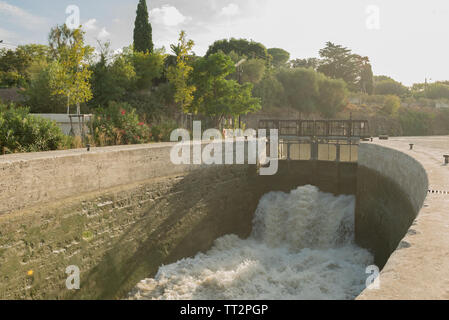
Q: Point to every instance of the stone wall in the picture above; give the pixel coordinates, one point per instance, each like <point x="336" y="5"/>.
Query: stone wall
<point x="119" y="213"/>
<point x="391" y="189"/>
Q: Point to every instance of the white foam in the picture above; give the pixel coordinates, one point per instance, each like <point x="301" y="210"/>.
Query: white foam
<point x="301" y="247"/>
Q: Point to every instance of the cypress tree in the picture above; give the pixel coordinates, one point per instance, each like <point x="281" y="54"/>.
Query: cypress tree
<point x="143" y="41"/>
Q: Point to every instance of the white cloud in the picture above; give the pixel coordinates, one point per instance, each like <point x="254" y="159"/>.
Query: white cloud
<point x="7" y="35"/>
<point x="168" y="16"/>
<point x="90" y="25"/>
<point x="103" y="34"/>
<point x="17" y="14"/>
<point x="231" y="9"/>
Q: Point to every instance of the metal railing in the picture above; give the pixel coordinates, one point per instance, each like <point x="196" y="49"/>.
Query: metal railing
<point x="329" y="129"/>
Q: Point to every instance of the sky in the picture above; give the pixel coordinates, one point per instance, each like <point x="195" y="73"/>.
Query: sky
<point x="405" y="39"/>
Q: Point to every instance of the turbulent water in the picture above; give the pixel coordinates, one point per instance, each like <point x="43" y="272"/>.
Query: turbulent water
<point x="301" y="247"/>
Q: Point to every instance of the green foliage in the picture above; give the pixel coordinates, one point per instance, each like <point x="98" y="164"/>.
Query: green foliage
<point x="148" y="67"/>
<point x="216" y="96"/>
<point x="39" y="95"/>
<point x="252" y="71"/>
<point x="339" y="62"/>
<point x="155" y="104"/>
<point x="242" y="47"/>
<point x="279" y="56"/>
<point x="119" y="124"/>
<point x="14" y="66"/>
<point x="415" y="123"/>
<point x="271" y="92"/>
<point x="332" y="96"/>
<point x="312" y="63"/>
<point x="143" y="39"/>
<point x="389" y="87"/>
<point x="301" y="87"/>
<point x="110" y="82"/>
<point x="391" y="105"/>
<point x="437" y="90"/>
<point x="21" y="132"/>
<point x="304" y="90"/>
<point x="179" y="74"/>
<point x="70" y="73"/>
<point x="161" y="130"/>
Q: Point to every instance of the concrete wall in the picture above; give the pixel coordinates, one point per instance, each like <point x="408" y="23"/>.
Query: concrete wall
<point x="391" y="189"/>
<point x="119" y="213"/>
<point x="63" y="122"/>
<point x="28" y="179"/>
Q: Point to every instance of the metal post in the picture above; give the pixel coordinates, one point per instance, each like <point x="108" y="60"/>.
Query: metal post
<point x="338" y="152"/>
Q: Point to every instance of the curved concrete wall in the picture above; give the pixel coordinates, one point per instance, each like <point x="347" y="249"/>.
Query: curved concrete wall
<point x="120" y="212"/>
<point x="418" y="268"/>
<point x="391" y="188"/>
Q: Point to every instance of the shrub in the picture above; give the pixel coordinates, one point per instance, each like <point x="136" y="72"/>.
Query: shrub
<point x="155" y="104"/>
<point x="391" y="105"/>
<point x="22" y="132"/>
<point x="415" y="123"/>
<point x="119" y="124"/>
<point x="390" y="87"/>
<point x="161" y="131"/>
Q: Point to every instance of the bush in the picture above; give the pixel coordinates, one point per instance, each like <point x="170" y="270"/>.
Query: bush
<point x="415" y="123"/>
<point x="22" y="132"/>
<point x="155" y="104"/>
<point x="391" y="105"/>
<point x="390" y="87"/>
<point x="119" y="124"/>
<point x="161" y="131"/>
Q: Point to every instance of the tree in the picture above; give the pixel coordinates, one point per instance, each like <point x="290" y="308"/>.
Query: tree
<point x="366" y="76"/>
<point x="39" y="95"/>
<point x="339" y="62"/>
<point x="251" y="71"/>
<point x="437" y="90"/>
<point x="148" y="67"/>
<point x="143" y="39"/>
<point x="14" y="65"/>
<point x="389" y="87"/>
<point x="312" y="63"/>
<point x="216" y="96"/>
<point x="279" y="56"/>
<point x="391" y="105"/>
<point x="304" y="90"/>
<point x="242" y="47"/>
<point x="301" y="87"/>
<point x="111" y="79"/>
<point x="270" y="91"/>
<point x="179" y="74"/>
<point x="331" y="96"/>
<point x="248" y="69"/>
<point x="70" y="73"/>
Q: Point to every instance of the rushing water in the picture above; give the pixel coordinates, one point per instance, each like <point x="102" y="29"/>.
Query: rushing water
<point x="301" y="247"/>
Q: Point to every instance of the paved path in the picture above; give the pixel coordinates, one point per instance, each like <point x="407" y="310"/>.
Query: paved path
<point x="420" y="270"/>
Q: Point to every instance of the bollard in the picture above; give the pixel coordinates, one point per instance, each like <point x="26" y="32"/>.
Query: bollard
<point x="411" y="146"/>
<point x="446" y="159"/>
<point x="88" y="147"/>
